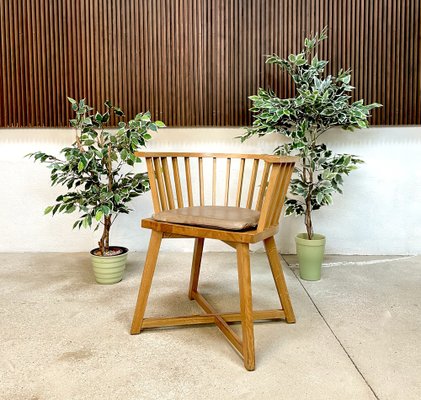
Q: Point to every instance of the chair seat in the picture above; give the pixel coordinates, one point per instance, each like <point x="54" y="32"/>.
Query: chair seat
<point x="216" y="217"/>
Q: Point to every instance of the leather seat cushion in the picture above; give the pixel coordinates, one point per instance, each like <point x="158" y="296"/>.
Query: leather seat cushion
<point x="216" y="217"/>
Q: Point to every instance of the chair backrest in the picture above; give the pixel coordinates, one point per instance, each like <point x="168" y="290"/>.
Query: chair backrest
<point x="254" y="181"/>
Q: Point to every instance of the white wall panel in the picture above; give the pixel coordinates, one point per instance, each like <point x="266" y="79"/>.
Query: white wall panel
<point x="379" y="212"/>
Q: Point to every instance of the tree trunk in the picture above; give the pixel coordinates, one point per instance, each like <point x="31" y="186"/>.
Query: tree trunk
<point x="308" y="179"/>
<point x="104" y="242"/>
<point x="307" y="221"/>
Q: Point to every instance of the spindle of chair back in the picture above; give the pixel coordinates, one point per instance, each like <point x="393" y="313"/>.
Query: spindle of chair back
<point x="260" y="184"/>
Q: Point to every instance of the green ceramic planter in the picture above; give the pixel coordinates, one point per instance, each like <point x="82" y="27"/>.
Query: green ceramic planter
<point x="109" y="269"/>
<point x="310" y="255"/>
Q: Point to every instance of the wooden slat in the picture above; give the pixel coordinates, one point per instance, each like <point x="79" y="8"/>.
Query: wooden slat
<point x="168" y="186"/>
<point x="282" y="193"/>
<point x="177" y="182"/>
<point x="269" y="199"/>
<point x="227" y="181"/>
<point x="152" y="183"/>
<point x="214" y="181"/>
<point x="252" y="185"/>
<point x="188" y="181"/>
<point x="201" y="182"/>
<point x="259" y="315"/>
<point x="204" y="319"/>
<point x="199" y="64"/>
<point x="276" y="198"/>
<point x="262" y="189"/>
<point x="240" y="182"/>
<point x="160" y="182"/>
<point x="178" y="321"/>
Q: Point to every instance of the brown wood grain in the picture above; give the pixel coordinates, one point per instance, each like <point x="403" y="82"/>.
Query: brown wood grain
<point x="195" y="62"/>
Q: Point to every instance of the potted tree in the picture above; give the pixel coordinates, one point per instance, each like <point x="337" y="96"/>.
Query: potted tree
<point x="321" y="102"/>
<point x="99" y="184"/>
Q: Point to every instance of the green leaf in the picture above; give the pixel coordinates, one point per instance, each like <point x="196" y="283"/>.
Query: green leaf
<point x="85" y="222"/>
<point x="73" y="101"/>
<point x="106" y="117"/>
<point x="106" y="210"/>
<point x="118" y="111"/>
<point x="300" y="60"/>
<point x="319" y="198"/>
<point x="160" y="124"/>
<point x="362" y="123"/>
<point x="346" y="79"/>
<point x="328" y="111"/>
<point x="373" y="105"/>
<point x="70" y="208"/>
<point x="80" y="166"/>
<point x="99" y="215"/>
<point x="153" y="127"/>
<point x="48" y="210"/>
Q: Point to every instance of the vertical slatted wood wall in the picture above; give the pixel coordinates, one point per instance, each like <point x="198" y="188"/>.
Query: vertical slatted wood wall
<point x="194" y="62"/>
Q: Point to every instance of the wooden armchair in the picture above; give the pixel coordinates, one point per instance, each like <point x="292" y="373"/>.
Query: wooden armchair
<point x="255" y="186"/>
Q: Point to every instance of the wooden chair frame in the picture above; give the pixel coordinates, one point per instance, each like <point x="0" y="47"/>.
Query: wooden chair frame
<point x="274" y="180"/>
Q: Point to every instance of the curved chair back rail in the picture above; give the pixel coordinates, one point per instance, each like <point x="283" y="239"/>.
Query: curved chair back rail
<point x="254" y="181"/>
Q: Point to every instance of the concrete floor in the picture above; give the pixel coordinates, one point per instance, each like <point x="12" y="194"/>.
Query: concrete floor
<point x="357" y="336"/>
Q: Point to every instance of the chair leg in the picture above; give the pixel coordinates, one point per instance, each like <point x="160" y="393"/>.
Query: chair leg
<point x="246" y="306"/>
<point x="278" y="276"/>
<point x="146" y="282"/>
<point x="195" y="268"/>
